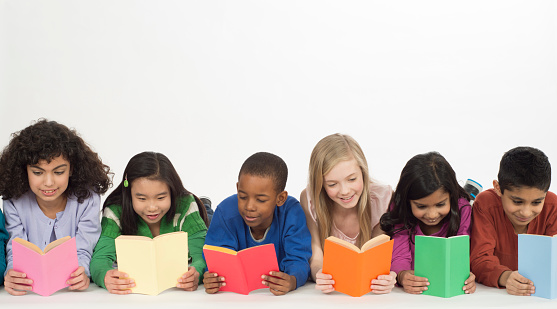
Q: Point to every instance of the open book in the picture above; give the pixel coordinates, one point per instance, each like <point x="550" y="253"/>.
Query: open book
<point x="353" y="268"/>
<point x="243" y="269"/>
<point x="50" y="269"/>
<point x="154" y="264"/>
<point x="445" y="262"/>
<point x="537" y="261"/>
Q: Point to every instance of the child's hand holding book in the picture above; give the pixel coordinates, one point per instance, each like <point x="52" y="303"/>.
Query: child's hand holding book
<point x="279" y="283"/>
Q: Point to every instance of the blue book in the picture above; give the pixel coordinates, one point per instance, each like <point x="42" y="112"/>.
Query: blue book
<point x="537" y="261"/>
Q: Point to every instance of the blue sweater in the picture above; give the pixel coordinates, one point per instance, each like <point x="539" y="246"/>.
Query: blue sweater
<point x="288" y="232"/>
<point x="3" y="238"/>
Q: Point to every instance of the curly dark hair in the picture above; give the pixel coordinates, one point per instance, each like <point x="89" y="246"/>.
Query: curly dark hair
<point x="46" y="140"/>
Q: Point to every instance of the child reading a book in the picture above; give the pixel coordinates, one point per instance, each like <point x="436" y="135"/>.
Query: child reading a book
<point x="50" y="181"/>
<point x="4" y="236"/>
<point x="263" y="213"/>
<point x="151" y="200"/>
<point x="427" y="201"/>
<point x="342" y="201"/>
<point x="519" y="203"/>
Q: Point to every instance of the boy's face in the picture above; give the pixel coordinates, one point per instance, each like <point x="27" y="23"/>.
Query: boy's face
<point x="257" y="199"/>
<point x="521" y="205"/>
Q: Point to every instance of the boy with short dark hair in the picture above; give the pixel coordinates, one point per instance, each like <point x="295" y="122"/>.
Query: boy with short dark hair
<point x="263" y="213"/>
<point x="519" y="203"/>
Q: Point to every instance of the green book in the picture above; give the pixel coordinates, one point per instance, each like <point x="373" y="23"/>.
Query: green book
<point x="445" y="262"/>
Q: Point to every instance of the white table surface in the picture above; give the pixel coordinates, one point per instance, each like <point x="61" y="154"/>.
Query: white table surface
<point x="305" y="297"/>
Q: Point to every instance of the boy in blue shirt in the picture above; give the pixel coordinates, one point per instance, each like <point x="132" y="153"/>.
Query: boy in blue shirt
<point x="263" y="213"/>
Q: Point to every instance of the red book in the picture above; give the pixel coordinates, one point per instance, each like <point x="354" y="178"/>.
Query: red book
<point x="243" y="269"/>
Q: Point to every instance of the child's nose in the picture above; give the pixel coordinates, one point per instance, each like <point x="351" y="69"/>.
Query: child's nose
<point x="48" y="180"/>
<point x="526" y="212"/>
<point x="344" y="189"/>
<point x="250" y="205"/>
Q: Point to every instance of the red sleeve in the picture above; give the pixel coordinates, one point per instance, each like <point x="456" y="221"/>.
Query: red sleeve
<point x="483" y="263"/>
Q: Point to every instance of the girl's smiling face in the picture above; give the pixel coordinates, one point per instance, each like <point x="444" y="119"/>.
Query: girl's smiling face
<point x="431" y="210"/>
<point x="344" y="183"/>
<point x="151" y="201"/>
<point x="49" y="181"/>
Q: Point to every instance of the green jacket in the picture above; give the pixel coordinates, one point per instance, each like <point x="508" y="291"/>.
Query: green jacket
<point x="186" y="219"/>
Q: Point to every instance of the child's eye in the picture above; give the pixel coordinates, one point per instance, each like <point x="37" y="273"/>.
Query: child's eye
<point x="261" y="201"/>
<point x="161" y="198"/>
<point x="420" y="206"/>
<point x="243" y="198"/>
<point x="59" y="173"/>
<point x="141" y="198"/>
<point x="331" y="185"/>
<point x="352" y="179"/>
<point x="441" y="205"/>
<point x="37" y="173"/>
<point x="536" y="203"/>
<point x="517" y="202"/>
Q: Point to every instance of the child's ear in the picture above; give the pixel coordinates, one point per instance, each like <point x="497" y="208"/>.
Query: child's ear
<point x="281" y="198"/>
<point x="497" y="188"/>
<point x="237" y="182"/>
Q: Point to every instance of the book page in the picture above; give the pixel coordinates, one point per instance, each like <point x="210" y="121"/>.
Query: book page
<point x="55" y="243"/>
<point x="343" y="243"/>
<point x="136" y="257"/>
<point x="376" y="241"/>
<point x="28" y="245"/>
<point x="171" y="258"/>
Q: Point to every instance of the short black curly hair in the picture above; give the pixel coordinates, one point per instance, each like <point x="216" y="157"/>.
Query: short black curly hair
<point x="46" y="140"/>
<point x="264" y="164"/>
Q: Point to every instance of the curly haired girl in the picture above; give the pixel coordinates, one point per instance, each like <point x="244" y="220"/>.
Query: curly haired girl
<point x="50" y="181"/>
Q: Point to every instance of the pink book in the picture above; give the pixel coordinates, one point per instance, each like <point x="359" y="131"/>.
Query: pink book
<point x="50" y="269"/>
<point x="243" y="269"/>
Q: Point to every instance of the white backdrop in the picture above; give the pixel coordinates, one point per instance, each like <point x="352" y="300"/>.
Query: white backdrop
<point x="208" y="83"/>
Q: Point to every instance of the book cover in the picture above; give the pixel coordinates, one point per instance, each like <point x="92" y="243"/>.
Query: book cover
<point x="154" y="264"/>
<point x="537" y="261"/>
<point x="242" y="269"/>
<point x="353" y="268"/>
<point x="445" y="262"/>
<point x="50" y="269"/>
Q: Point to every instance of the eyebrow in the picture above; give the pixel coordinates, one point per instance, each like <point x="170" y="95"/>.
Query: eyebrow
<point x="351" y="175"/>
<point x="521" y="199"/>
<point x="42" y="169"/>
<point x="257" y="195"/>
<point x="162" y="193"/>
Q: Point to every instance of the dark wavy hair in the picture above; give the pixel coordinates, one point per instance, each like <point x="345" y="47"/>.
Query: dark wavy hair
<point x="153" y="166"/>
<point x="46" y="140"/>
<point x="423" y="175"/>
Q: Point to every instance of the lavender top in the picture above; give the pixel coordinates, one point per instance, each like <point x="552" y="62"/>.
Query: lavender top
<point x="24" y="219"/>
<point x="403" y="248"/>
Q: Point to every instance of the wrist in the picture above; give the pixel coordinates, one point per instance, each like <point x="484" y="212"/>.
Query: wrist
<point x="504" y="278"/>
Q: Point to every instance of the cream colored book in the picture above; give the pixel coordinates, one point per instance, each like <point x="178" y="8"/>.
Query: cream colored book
<point x="154" y="264"/>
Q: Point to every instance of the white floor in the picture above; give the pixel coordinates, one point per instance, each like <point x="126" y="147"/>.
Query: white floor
<point x="306" y="296"/>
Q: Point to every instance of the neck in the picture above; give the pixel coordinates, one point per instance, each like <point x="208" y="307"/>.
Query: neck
<point x="50" y="209"/>
<point x="155" y="228"/>
<point x="430" y="229"/>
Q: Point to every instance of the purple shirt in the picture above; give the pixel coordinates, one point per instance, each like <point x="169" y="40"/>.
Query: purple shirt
<point x="403" y="249"/>
<point x="24" y="219"/>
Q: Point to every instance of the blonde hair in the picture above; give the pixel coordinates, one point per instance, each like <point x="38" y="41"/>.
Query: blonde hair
<point x="328" y="152"/>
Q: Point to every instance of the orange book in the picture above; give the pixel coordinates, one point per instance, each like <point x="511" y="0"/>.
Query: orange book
<point x="353" y="268"/>
<point x="243" y="269"/>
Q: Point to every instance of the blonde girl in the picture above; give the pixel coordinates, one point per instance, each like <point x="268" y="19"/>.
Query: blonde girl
<point x="341" y="200"/>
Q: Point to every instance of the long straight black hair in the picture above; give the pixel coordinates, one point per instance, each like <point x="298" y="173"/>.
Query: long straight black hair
<point x="153" y="166"/>
<point x="423" y="175"/>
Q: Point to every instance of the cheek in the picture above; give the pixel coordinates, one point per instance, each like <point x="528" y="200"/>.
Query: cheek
<point x="331" y="192"/>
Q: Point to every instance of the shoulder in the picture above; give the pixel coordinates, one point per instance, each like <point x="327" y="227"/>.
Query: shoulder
<point x="379" y="189"/>
<point x="185" y="203"/>
<point x="463" y="203"/>
<point x="228" y="207"/>
<point x="550" y="202"/>
<point x="487" y="200"/>
<point x="113" y="212"/>
<point x="291" y="209"/>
